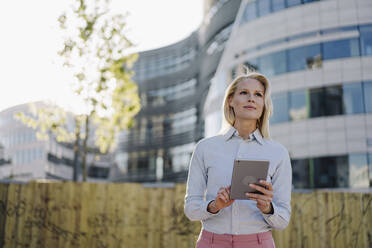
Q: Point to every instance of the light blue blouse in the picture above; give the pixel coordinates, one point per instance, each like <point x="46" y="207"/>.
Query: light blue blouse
<point x="211" y="167"/>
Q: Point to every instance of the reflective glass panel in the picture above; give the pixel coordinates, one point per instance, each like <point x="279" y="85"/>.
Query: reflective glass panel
<point x="264" y="7"/>
<point x="341" y="49"/>
<point x="358" y="175"/>
<point x="304" y="57"/>
<point x="367" y="88"/>
<point x="331" y="172"/>
<point x="317" y="107"/>
<point x="353" y="98"/>
<point x="291" y="3"/>
<point x="333" y="100"/>
<point x="273" y="63"/>
<point x="300" y="173"/>
<point x="250" y="12"/>
<point x="252" y="64"/>
<point x="280" y="105"/>
<point x="370" y="168"/>
<point x="298" y="102"/>
<point x="278" y="5"/>
<point x="366" y="40"/>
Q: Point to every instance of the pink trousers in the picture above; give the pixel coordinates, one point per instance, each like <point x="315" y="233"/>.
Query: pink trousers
<point x="212" y="240"/>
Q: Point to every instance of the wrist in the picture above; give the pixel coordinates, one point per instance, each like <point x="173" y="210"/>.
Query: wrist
<point x="212" y="208"/>
<point x="270" y="210"/>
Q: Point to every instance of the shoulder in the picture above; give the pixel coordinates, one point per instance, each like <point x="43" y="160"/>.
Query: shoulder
<point x="276" y="147"/>
<point x="209" y="142"/>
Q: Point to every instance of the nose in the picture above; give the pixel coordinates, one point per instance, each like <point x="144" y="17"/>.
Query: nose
<point x="250" y="98"/>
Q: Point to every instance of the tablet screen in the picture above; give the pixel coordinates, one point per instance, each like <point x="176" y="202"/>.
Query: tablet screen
<point x="244" y="173"/>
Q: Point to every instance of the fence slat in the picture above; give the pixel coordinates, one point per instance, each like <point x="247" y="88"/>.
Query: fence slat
<point x="68" y="214"/>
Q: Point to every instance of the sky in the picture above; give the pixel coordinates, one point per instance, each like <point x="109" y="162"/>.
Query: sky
<point x="29" y="66"/>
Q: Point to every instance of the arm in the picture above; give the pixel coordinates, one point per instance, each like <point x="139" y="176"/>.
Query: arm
<point x="281" y="204"/>
<point x="195" y="206"/>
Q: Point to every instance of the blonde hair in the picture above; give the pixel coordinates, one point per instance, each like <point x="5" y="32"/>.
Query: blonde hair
<point x="228" y="116"/>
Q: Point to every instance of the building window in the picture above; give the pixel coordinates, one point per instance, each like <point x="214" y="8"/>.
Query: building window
<point x="263" y="7"/>
<point x="273" y="64"/>
<point x="353" y="98"/>
<point x="291" y="3"/>
<point x="298" y="105"/>
<point x="370" y="168"/>
<point x="183" y="121"/>
<point x="280" y="108"/>
<point x="331" y="172"/>
<point x="317" y="102"/>
<point x="341" y="49"/>
<point x="250" y="12"/>
<point x="367" y="87"/>
<point x="366" y="39"/>
<point x="301" y="173"/>
<point x="358" y="166"/>
<point x="301" y="58"/>
<point x="333" y="100"/>
<point x="278" y="5"/>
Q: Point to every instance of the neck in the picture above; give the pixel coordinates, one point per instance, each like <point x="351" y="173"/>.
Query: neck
<point x="245" y="127"/>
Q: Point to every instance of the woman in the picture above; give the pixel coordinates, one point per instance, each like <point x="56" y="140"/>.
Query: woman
<point x="240" y="223"/>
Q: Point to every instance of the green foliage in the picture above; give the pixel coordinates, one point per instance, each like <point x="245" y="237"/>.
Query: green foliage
<point x="95" y="50"/>
<point x="47" y="120"/>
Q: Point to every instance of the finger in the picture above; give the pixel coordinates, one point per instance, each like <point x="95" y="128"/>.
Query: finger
<point x="268" y="185"/>
<point x="226" y="195"/>
<point x="228" y="189"/>
<point x="260" y="197"/>
<point x="262" y="203"/>
<point x="222" y="197"/>
<point x="222" y="189"/>
<point x="261" y="189"/>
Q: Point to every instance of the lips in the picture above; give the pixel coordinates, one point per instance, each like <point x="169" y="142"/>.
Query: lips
<point x="249" y="107"/>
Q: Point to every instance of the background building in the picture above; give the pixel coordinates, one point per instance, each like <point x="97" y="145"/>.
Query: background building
<point x="29" y="158"/>
<point x="317" y="55"/>
<point x="173" y="84"/>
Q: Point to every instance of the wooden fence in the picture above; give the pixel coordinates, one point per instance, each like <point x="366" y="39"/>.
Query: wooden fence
<point x="93" y="215"/>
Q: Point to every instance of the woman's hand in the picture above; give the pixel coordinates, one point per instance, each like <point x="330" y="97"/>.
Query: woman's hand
<point x="263" y="201"/>
<point x="222" y="200"/>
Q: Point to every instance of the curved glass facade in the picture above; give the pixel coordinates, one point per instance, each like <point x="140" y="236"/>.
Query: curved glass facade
<point x="173" y="82"/>
<point x="317" y="55"/>
<point x="260" y="8"/>
<point x="320" y="65"/>
<point x="311" y="56"/>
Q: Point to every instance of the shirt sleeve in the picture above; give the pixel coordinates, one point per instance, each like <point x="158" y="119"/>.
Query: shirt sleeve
<point x="195" y="207"/>
<point x="282" y="185"/>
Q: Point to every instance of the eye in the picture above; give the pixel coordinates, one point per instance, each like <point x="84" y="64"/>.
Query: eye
<point x="243" y="92"/>
<point x="258" y="94"/>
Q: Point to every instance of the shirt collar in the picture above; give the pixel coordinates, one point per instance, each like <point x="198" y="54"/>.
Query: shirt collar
<point x="232" y="131"/>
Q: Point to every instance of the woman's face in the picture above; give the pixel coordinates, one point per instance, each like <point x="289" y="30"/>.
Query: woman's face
<point x="248" y="100"/>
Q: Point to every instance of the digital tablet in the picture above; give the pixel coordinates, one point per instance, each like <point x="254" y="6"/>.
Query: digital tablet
<point x="244" y="173"/>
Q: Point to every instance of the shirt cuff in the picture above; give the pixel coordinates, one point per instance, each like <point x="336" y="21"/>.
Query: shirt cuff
<point x="206" y="212"/>
<point x="267" y="216"/>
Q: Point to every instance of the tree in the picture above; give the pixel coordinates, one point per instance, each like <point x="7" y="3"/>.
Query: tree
<point x="94" y="50"/>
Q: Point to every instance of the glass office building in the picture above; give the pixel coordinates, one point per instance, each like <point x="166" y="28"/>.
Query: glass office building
<point x="173" y="83"/>
<point x="318" y="57"/>
<point x="24" y="157"/>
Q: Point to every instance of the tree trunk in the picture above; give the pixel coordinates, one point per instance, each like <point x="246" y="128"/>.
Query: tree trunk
<point x="76" y="149"/>
<point x="84" y="155"/>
